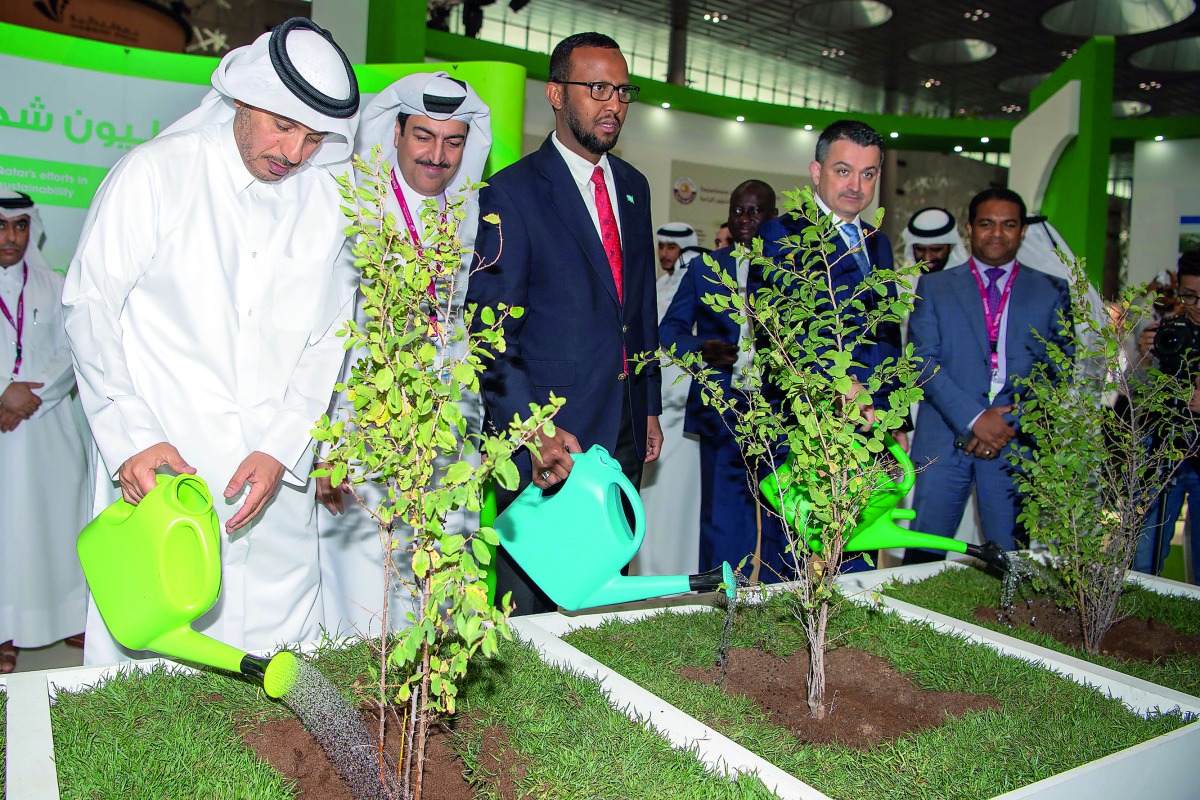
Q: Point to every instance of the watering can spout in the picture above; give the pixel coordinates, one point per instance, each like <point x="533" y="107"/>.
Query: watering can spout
<point x="155" y="568"/>
<point x="574" y="543"/>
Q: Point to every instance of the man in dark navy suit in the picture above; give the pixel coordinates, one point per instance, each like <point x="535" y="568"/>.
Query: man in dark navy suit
<point x="575" y="249"/>
<point x="976" y="328"/>
<point x="845" y="171"/>
<point x="731" y="523"/>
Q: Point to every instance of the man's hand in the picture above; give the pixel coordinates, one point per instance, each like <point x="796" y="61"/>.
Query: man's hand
<point x="1145" y="343"/>
<point x="901" y="438"/>
<point x="20" y="399"/>
<point x="137" y="473"/>
<point x="991" y="433"/>
<point x="654" y="439"/>
<point x="263" y="473"/>
<point x="9" y="421"/>
<point x="329" y="495"/>
<point x="553" y="462"/>
<point x="868" y="410"/>
<point x="719" y="354"/>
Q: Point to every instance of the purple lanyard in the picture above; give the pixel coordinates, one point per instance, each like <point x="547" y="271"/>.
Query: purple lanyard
<point x="992" y="316"/>
<point x="416" y="240"/>
<point x="19" y="323"/>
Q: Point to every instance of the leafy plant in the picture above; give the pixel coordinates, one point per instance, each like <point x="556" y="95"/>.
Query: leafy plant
<point x="803" y="400"/>
<point x="404" y="422"/>
<point x="1098" y="465"/>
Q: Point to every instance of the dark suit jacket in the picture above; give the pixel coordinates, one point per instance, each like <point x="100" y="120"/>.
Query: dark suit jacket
<point x="949" y="333"/>
<point x="846" y="275"/>
<point x="688" y="310"/>
<point x="546" y="257"/>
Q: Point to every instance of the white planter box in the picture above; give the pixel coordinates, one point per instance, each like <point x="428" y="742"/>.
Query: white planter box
<point x="1165" y="768"/>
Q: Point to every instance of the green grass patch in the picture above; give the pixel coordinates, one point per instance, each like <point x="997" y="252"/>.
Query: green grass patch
<point x="1046" y="725"/>
<point x="177" y="736"/>
<point x="956" y="593"/>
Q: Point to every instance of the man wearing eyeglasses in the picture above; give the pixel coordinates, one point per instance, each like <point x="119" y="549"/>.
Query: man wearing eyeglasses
<point x="574" y="247"/>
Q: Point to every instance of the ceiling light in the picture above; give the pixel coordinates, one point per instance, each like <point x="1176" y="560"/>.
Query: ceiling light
<point x="929" y="83"/>
<point x="832" y="52"/>
<point x="1067" y="53"/>
<point x="984" y="139"/>
<point x="715" y="16"/>
<point x="808" y="127"/>
<point x="1149" y="85"/>
<point x="976" y="15"/>
<point x="1159" y="138"/>
<point x="740" y="118"/>
<point x="666" y="105"/>
<point x="894" y="134"/>
<point x="958" y="148"/>
<point x="1011" y="108"/>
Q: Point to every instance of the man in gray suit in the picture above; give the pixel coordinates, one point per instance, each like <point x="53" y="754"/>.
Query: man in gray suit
<point x="975" y="328"/>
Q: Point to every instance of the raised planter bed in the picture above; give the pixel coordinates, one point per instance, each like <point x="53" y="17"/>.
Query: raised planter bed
<point x="1151" y="768"/>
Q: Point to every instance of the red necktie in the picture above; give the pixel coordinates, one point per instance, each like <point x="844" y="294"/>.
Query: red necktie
<point x="608" y="231"/>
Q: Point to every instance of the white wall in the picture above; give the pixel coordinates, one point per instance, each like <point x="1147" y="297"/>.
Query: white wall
<point x="653" y="136"/>
<point x="1165" y="186"/>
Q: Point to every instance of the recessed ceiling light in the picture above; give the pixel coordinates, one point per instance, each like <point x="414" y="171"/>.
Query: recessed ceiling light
<point x="1149" y="86"/>
<point x="666" y="105"/>
<point x="958" y="148"/>
<point x="715" y="16"/>
<point x="894" y="134"/>
<point x="984" y="139"/>
<point x="1011" y="108"/>
<point x="929" y="83"/>
<point x="1159" y="138"/>
<point x="808" y="127"/>
<point x="740" y="118"/>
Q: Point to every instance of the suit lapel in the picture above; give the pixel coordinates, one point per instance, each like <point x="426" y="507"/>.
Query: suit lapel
<point x="1019" y="305"/>
<point x="967" y="292"/>
<point x="562" y="193"/>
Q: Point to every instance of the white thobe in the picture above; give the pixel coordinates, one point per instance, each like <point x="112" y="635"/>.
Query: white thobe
<point x="352" y="552"/>
<point x="43" y="474"/>
<point x="671" y="485"/>
<point x="201" y="306"/>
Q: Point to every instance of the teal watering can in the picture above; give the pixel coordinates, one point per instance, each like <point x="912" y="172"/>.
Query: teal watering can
<point x="876" y="527"/>
<point x="574" y="542"/>
<point x="155" y="568"/>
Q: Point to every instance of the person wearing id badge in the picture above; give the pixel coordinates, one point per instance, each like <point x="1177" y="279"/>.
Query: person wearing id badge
<point x="978" y="327"/>
<point x="436" y="133"/>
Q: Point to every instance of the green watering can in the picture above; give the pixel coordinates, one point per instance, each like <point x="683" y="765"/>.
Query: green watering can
<point x="574" y="542"/>
<point x="876" y="528"/>
<point x="155" y="568"/>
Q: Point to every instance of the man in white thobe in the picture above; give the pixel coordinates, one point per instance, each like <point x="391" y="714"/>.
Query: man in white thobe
<point x="671" y="485"/>
<point x="43" y="467"/>
<point x="201" y="307"/>
<point x="436" y="132"/>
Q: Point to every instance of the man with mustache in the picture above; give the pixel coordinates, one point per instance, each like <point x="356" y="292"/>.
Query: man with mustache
<point x="202" y="306"/>
<point x="437" y="133"/>
<point x="575" y="248"/>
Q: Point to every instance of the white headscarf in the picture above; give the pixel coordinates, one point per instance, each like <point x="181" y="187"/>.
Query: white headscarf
<point x="17" y="204"/>
<point x="296" y="71"/>
<point x="934" y="226"/>
<point x="438" y="96"/>
<point x="1037" y="251"/>
<point x="680" y="233"/>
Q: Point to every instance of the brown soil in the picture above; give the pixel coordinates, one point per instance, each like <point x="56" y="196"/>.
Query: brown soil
<point x="872" y="702"/>
<point x="294" y="752"/>
<point x="1131" y="639"/>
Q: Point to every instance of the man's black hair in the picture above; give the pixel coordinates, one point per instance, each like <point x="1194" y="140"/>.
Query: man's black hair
<point x="1189" y="263"/>
<point x="560" y="59"/>
<point x="753" y="183"/>
<point x="996" y="193"/>
<point x="402" y="118"/>
<point x="860" y="133"/>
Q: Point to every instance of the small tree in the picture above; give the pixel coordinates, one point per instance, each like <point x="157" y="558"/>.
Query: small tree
<point x="1109" y="435"/>
<point x="405" y="421"/>
<point x="807" y="336"/>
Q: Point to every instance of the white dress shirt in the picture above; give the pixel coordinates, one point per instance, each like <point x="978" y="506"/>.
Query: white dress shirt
<point x="581" y="170"/>
<point x="1000" y="376"/>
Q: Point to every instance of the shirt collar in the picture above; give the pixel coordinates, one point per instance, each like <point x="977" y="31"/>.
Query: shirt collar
<point x="983" y="268"/>
<point x="582" y="169"/>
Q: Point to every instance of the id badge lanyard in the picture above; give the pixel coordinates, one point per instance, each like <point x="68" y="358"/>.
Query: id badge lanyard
<point x="993" y="316"/>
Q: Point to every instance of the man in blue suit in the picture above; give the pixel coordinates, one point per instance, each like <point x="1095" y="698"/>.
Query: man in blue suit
<point x="845" y="171"/>
<point x="731" y="523"/>
<point x="575" y="249"/>
<point x="976" y="329"/>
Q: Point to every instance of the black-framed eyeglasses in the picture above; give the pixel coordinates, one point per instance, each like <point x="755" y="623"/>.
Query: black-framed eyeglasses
<point x="602" y="91"/>
<point x="1189" y="299"/>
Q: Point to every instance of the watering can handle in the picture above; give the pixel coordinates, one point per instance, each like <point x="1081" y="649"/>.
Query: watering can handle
<point x="639" y="511"/>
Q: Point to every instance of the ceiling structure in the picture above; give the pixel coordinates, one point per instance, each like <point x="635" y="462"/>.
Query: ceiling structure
<point x="973" y="58"/>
